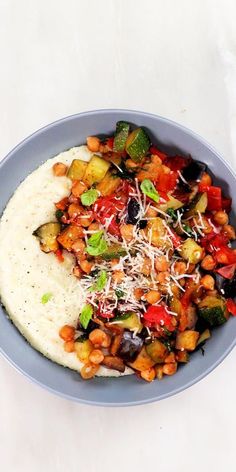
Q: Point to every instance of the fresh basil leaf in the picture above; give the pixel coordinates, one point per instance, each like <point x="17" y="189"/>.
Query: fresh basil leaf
<point x="96" y="244"/>
<point x="89" y="197"/>
<point x="46" y="297"/>
<point x="119" y="293"/>
<point x="188" y="229"/>
<point x="100" y="282"/>
<point x="172" y="213"/>
<point x="148" y="189"/>
<point x="86" y="315"/>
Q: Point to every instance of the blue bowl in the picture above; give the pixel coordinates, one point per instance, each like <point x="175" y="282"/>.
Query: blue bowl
<point x="27" y="156"/>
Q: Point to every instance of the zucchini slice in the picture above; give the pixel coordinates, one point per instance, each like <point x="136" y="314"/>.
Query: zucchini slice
<point x="95" y="171"/>
<point x="204" y="336"/>
<point x="191" y="251"/>
<point x="143" y="361"/>
<point x="198" y="205"/>
<point x="121" y="135"/>
<point x="173" y="203"/>
<point x="187" y="340"/>
<point x="137" y="144"/>
<point x="114" y="252"/>
<point x="83" y="349"/>
<point x="77" y="169"/>
<point x="47" y="235"/>
<point x="213" y="310"/>
<point x="129" y="320"/>
<point x="157" y="351"/>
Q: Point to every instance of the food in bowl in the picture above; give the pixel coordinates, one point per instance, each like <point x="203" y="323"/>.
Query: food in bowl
<point x="120" y="258"/>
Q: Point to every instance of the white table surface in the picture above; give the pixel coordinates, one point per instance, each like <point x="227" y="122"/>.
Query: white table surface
<point x="173" y="58"/>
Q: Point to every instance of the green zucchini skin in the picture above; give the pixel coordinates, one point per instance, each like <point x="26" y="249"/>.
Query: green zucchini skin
<point x="121" y="135"/>
<point x="137" y="144"/>
<point x="114" y="252"/>
<point x="213" y="311"/>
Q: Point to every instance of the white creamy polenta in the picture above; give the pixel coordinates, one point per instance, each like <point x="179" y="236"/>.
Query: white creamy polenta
<point x="27" y="273"/>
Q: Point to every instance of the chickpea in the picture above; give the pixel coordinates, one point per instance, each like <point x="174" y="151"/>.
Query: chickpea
<point x="96" y="356"/>
<point x="94" y="227"/>
<point x="153" y="296"/>
<point x="67" y="333"/>
<point x="89" y="370"/>
<point x="85" y="220"/>
<point x="99" y="338"/>
<point x="86" y="266"/>
<point x="118" y="276"/>
<point x="180" y="267"/>
<point x="74" y="210"/>
<point x="147" y="266"/>
<point x="131" y="164"/>
<point x="127" y="232"/>
<point x="69" y="346"/>
<point x="93" y="143"/>
<point x="114" y="262"/>
<point x="138" y="293"/>
<point x="59" y="169"/>
<point x="151" y="213"/>
<point x="170" y="358"/>
<point x="78" y="246"/>
<point x="77" y="272"/>
<point x="221" y="218"/>
<point x="170" y="369"/>
<point x="161" y="264"/>
<point x="78" y="188"/>
<point x="190" y="268"/>
<point x="206" y="179"/>
<point x="229" y="231"/>
<point x="208" y="282"/>
<point x="208" y="263"/>
<point x="163" y="277"/>
<point x="175" y="290"/>
<point x="148" y="374"/>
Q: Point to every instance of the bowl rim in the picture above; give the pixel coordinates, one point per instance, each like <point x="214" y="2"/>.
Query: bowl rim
<point x="229" y="347"/>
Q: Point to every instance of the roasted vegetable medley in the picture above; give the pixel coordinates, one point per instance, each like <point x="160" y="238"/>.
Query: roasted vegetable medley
<point x="151" y="241"/>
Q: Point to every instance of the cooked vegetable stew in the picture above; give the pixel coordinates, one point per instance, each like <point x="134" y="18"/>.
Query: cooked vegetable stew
<point x="151" y="241"/>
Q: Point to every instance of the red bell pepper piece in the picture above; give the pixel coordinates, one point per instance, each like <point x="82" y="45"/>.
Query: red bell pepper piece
<point x="158" y="315"/>
<point x="175" y="238"/>
<point x="167" y="182"/>
<point x="212" y="241"/>
<point x="214" y="196"/>
<point x="59" y="255"/>
<point x="104" y="208"/>
<point x="156" y="152"/>
<point x="231" y="306"/>
<point x="226" y="204"/>
<point x="62" y="204"/>
<point x="225" y="255"/>
<point x="176" y="162"/>
<point x="227" y="271"/>
<point x="110" y="142"/>
<point x="203" y="187"/>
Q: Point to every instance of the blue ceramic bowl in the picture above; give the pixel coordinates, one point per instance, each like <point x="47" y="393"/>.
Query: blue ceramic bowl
<point x="27" y="156"/>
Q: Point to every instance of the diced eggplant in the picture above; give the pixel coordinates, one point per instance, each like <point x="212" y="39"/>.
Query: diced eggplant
<point x="157" y="351"/>
<point x="116" y="344"/>
<point x="114" y="362"/>
<point x="47" y="235"/>
<point x="193" y="171"/>
<point x="108" y="184"/>
<point x="187" y="340"/>
<point x="143" y="361"/>
<point x="91" y="326"/>
<point x="130" y="346"/>
<point x="182" y="356"/>
<point x="191" y="314"/>
<point x="142" y="224"/>
<point x="133" y="211"/>
<point x="227" y="287"/>
<point x="213" y="310"/>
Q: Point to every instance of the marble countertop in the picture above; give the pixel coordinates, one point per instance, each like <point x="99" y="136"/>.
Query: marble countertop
<point x="176" y="59"/>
